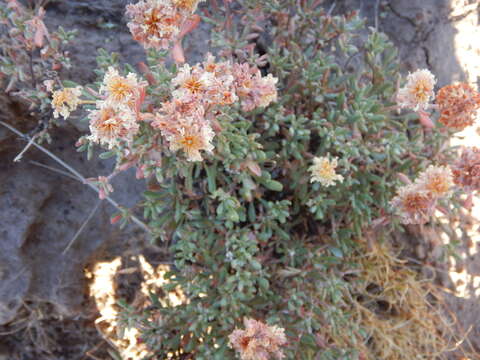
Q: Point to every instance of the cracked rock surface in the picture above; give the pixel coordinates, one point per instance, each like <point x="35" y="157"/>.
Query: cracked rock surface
<point x="424" y="31"/>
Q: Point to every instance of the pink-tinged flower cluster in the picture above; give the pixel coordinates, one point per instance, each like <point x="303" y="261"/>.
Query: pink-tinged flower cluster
<point x="191" y="138"/>
<point x="120" y="90"/>
<point x="112" y="125"/>
<point x="114" y="121"/>
<point x="192" y="81"/>
<point x="418" y="92"/>
<point x="437" y="180"/>
<point x="157" y="23"/>
<point x="466" y="169"/>
<point x="183" y="123"/>
<point x="186" y="121"/>
<point x="258" y="341"/>
<point x="253" y="89"/>
<point x="416" y="202"/>
<point x="458" y="105"/>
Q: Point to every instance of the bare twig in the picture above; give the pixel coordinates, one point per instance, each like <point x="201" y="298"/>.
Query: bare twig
<point x="79" y="231"/>
<point x="53" y="169"/>
<point x="330" y="11"/>
<point x="20" y="155"/>
<point x="76" y="173"/>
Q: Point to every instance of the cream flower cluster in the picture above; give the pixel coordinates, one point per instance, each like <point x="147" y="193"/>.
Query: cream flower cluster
<point x="65" y="101"/>
<point x="418" y="92"/>
<point x="323" y="171"/>
<point x="186" y="120"/>
<point x="156" y="23"/>
<point x="109" y="125"/>
<point x="114" y="120"/>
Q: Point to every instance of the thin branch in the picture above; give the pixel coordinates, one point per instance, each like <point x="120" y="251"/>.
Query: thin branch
<point x="330" y="11"/>
<point x="20" y="155"/>
<point x="76" y="173"/>
<point x="79" y="231"/>
<point x="55" y="170"/>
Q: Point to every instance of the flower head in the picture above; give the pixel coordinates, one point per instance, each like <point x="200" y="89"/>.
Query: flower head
<point x="323" y="171"/>
<point x="179" y="112"/>
<point x="221" y="90"/>
<point x="418" y="91"/>
<point x="258" y="341"/>
<point x="466" y="169"/>
<point x="458" y="104"/>
<point x="112" y="125"/>
<point x="414" y="203"/>
<point x="192" y="81"/>
<point x="192" y="138"/>
<point x="154" y="23"/>
<point x="266" y="87"/>
<point x="65" y="101"/>
<point x="120" y="89"/>
<point x="253" y="89"/>
<point x="438" y="180"/>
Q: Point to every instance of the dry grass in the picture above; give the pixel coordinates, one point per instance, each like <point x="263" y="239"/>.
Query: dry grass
<point x="401" y="313"/>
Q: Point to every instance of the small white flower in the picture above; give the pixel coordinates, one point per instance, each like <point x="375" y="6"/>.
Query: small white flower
<point x="418" y="92"/>
<point x="120" y="89"/>
<point x="191" y="139"/>
<point x="323" y="171"/>
<point x="65" y="101"/>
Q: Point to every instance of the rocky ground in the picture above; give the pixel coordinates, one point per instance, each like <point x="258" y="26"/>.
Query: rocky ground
<point x="43" y="289"/>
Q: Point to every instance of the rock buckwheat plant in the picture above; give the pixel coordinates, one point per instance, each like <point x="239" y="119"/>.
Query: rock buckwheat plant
<point x="269" y="165"/>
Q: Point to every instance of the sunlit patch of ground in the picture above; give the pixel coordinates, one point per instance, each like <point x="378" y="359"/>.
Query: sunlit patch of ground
<point x="104" y="290"/>
<point x="467" y="50"/>
<point x="464" y="270"/>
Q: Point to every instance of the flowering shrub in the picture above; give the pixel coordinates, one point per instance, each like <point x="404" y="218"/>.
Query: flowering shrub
<point x="267" y="168"/>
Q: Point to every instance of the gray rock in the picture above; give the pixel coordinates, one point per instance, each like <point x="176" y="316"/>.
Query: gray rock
<point x="40" y="213"/>
<point x="423" y="31"/>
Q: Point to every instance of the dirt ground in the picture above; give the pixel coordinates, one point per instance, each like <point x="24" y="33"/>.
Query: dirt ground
<point x="46" y="311"/>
